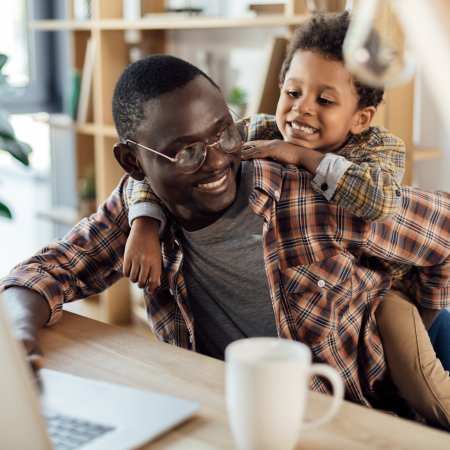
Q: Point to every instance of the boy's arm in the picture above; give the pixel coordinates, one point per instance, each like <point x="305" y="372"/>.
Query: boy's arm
<point x="143" y="202"/>
<point x="365" y="176"/>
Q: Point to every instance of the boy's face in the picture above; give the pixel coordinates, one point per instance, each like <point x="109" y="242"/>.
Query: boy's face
<point x="318" y="105"/>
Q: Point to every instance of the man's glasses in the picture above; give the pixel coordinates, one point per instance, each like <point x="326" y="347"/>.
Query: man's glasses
<point x="189" y="159"/>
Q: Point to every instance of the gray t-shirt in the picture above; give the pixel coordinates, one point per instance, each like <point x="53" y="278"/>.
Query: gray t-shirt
<point x="225" y="277"/>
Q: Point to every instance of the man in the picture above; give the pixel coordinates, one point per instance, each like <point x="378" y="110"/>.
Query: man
<point x="248" y="250"/>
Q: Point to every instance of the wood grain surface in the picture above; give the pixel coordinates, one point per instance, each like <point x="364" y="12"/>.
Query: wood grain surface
<point x="99" y="351"/>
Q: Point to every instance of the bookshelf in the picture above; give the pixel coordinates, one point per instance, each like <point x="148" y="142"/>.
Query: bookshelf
<point x="95" y="138"/>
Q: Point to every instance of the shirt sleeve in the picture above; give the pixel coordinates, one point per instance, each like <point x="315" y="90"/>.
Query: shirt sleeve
<point x="418" y="235"/>
<point x="367" y="183"/>
<point x="85" y="262"/>
<point x="144" y="202"/>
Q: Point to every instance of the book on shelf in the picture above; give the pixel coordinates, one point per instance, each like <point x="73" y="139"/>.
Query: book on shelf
<point x="86" y="82"/>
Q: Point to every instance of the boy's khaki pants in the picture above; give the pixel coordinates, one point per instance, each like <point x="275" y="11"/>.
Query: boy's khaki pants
<point x="416" y="372"/>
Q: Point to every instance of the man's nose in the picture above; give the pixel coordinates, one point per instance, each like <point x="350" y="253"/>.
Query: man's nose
<point x="216" y="159"/>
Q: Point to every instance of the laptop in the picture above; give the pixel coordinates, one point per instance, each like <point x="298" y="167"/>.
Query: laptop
<point x="71" y="412"/>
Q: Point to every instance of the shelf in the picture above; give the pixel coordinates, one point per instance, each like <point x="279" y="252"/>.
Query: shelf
<point x="61" y="214"/>
<point x="166" y="23"/>
<point x="417" y="154"/>
<point x="90" y="129"/>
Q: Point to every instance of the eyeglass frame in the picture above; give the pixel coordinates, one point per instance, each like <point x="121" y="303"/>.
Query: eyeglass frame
<point x="174" y="160"/>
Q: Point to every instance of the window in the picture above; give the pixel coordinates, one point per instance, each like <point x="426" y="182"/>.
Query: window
<point x="14" y="41"/>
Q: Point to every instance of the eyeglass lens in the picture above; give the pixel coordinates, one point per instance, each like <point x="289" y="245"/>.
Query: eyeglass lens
<point x="191" y="158"/>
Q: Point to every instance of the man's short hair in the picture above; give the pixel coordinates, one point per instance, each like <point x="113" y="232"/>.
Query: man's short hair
<point x="324" y="34"/>
<point x="146" y="79"/>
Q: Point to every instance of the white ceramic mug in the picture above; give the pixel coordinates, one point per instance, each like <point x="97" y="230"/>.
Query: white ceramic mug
<point x="266" y="391"/>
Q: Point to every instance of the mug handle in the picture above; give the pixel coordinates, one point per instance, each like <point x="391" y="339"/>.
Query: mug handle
<point x="338" y="393"/>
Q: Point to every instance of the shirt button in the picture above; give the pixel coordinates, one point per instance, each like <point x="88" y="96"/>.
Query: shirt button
<point x="324" y="186"/>
<point x="171" y="292"/>
<point x="321" y="283"/>
<point x="176" y="242"/>
<point x="277" y="194"/>
<point x="398" y="193"/>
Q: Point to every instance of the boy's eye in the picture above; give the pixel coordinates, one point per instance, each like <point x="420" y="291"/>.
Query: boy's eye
<point x="324" y="101"/>
<point x="294" y="94"/>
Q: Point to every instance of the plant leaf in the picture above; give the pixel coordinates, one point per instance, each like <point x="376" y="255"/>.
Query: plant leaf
<point x="3" y="59"/>
<point x="4" y="211"/>
<point x="18" y="149"/>
<point x="5" y="127"/>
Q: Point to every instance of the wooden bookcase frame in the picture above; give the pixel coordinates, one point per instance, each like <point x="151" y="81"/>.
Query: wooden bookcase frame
<point x="96" y="138"/>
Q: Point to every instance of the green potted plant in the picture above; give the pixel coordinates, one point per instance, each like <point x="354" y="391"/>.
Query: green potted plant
<point x="237" y="100"/>
<point x="8" y="141"/>
<point x="86" y="192"/>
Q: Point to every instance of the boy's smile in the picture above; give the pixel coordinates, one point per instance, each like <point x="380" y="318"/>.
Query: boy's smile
<point x="318" y="106"/>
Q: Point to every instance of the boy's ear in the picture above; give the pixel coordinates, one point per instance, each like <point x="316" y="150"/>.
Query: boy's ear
<point x="363" y="118"/>
<point x="126" y="156"/>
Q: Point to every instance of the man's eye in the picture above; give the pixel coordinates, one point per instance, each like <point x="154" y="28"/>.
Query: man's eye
<point x="324" y="101"/>
<point x="293" y="94"/>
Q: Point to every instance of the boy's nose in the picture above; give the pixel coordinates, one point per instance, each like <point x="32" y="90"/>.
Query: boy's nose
<point x="303" y="106"/>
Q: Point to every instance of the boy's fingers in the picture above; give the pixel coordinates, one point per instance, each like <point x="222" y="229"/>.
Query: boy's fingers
<point x="126" y="268"/>
<point x="134" y="273"/>
<point x="154" y="279"/>
<point x="263" y="153"/>
<point x="143" y="277"/>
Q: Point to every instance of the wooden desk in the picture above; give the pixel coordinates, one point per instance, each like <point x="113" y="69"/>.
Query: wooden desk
<point x="95" y="350"/>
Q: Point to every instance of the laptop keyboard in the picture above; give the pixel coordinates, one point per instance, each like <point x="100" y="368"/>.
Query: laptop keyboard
<point x="69" y="433"/>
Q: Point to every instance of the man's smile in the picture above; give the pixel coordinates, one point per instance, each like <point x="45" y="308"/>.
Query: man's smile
<point x="213" y="184"/>
<point x="216" y="185"/>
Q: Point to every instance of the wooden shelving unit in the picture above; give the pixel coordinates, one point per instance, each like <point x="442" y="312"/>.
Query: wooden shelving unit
<point x="95" y="139"/>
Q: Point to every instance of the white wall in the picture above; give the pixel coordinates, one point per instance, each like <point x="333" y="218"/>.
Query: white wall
<point x="429" y="132"/>
<point x="236" y="54"/>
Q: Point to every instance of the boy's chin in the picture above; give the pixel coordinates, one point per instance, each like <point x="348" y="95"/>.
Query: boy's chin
<point x="299" y="142"/>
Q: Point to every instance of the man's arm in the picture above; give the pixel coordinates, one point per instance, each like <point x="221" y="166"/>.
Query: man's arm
<point x="85" y="262"/>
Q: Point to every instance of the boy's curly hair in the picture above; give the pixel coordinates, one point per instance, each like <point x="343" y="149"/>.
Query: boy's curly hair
<point x="324" y="33"/>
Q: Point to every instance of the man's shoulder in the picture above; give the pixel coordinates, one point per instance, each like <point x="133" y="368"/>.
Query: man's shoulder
<point x="263" y="127"/>
<point x="279" y="179"/>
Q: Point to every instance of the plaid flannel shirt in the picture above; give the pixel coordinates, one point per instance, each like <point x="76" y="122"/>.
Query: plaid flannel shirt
<point x="321" y="265"/>
<point x="370" y="187"/>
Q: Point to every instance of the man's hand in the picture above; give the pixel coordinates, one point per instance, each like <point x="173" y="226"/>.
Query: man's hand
<point x="32" y="350"/>
<point x="283" y="152"/>
<point x="28" y="312"/>
<point x="143" y="256"/>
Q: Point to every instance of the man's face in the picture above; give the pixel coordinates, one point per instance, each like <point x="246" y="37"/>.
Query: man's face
<point x="318" y="103"/>
<point x="194" y="113"/>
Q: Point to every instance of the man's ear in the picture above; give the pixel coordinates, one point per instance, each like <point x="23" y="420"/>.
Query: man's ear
<point x="363" y="118"/>
<point x="127" y="157"/>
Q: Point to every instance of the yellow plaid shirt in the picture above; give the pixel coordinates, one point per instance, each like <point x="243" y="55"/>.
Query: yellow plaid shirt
<point x="369" y="189"/>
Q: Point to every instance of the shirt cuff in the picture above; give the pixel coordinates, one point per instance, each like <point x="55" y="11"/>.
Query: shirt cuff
<point x="329" y="173"/>
<point x="32" y="279"/>
<point x="148" y="210"/>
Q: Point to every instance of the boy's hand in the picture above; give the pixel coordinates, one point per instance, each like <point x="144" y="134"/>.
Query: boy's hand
<point x="279" y="150"/>
<point x="283" y="152"/>
<point x="143" y="254"/>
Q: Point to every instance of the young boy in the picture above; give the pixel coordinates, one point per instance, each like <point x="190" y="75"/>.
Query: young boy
<point x="323" y="125"/>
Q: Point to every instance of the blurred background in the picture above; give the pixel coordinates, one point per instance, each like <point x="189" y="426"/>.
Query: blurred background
<point x="62" y="59"/>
